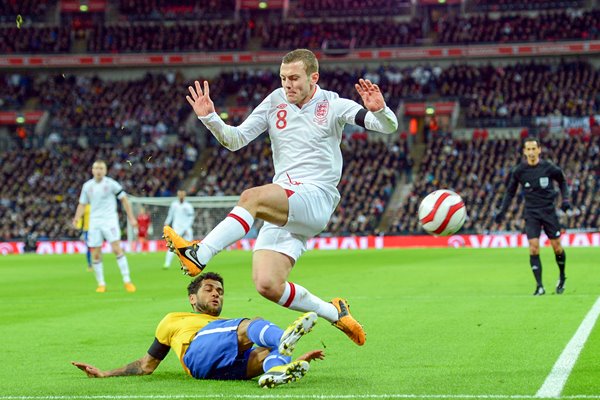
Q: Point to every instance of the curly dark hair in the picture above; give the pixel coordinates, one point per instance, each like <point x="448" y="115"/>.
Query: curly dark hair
<point x="197" y="282"/>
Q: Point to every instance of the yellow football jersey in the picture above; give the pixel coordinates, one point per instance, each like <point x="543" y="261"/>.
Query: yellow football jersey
<point x="177" y="330"/>
<point x="84" y="222"/>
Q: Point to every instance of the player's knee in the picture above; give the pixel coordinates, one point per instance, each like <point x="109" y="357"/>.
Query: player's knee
<point x="249" y="198"/>
<point x="268" y="289"/>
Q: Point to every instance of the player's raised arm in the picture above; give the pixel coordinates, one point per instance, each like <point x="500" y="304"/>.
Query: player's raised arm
<point x="144" y="366"/>
<point x="377" y="116"/>
<point x="200" y="100"/>
<point x="371" y="95"/>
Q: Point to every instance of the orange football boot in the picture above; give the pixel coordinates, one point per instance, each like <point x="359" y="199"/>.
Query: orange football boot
<point x="346" y="322"/>
<point x="185" y="251"/>
<point x="130" y="287"/>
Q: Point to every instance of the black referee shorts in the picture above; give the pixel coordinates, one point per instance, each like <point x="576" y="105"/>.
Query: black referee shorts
<point x="538" y="218"/>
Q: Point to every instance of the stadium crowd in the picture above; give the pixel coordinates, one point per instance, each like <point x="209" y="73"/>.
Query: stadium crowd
<point x="158" y="37"/>
<point x="105" y="110"/>
<point x="523" y="89"/>
<point x="548" y="26"/>
<point x="514" y="5"/>
<point x="144" y="10"/>
<point x="146" y="116"/>
<point x="33" y="10"/>
<point x="353" y="33"/>
<point x="40" y="187"/>
<point x="187" y="26"/>
<point x="348" y="8"/>
<point x="478" y="169"/>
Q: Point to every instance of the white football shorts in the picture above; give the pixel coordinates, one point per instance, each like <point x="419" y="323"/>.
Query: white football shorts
<point x="107" y="231"/>
<point x="309" y="213"/>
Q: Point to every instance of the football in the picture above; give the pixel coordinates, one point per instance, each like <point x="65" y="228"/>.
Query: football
<point x="442" y="213"/>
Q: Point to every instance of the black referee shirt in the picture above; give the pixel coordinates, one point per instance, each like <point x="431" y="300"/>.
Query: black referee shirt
<point x="537" y="184"/>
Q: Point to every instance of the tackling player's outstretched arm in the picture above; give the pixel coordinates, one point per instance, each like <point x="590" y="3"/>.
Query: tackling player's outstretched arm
<point x="144" y="366"/>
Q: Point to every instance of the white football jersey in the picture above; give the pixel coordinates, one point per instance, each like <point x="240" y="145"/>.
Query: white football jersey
<point x="305" y="141"/>
<point x="102" y="197"/>
<point x="181" y="216"/>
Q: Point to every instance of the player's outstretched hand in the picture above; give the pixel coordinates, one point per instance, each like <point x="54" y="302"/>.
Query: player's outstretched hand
<point x="565" y="206"/>
<point x="312" y="355"/>
<point x="200" y="100"/>
<point x="90" y="370"/>
<point x="370" y="94"/>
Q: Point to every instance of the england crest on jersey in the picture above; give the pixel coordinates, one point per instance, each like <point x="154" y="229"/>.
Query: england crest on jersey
<point x="544" y="181"/>
<point x="321" y="111"/>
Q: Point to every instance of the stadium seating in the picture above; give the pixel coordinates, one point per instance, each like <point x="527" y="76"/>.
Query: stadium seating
<point x="145" y="10"/>
<point x="29" y="10"/>
<point x="90" y="115"/>
<point x="513" y="5"/>
<point x="478" y="170"/>
<point x="347" y="8"/>
<point x="498" y="94"/>
<point x="29" y="40"/>
<point x="364" y="32"/>
<point x="149" y="26"/>
<point x="146" y="170"/>
<point x="159" y="37"/>
<point x="550" y="26"/>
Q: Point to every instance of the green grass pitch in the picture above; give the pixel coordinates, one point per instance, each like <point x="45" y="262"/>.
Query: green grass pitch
<point x="441" y="323"/>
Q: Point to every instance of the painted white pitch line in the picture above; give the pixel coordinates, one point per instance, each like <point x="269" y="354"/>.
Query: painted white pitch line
<point x="555" y="381"/>
<point x="288" y="396"/>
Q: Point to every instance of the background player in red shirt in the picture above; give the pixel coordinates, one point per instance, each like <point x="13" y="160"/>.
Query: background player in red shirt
<point x="143" y="220"/>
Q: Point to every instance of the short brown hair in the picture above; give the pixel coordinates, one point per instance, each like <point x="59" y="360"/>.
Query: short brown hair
<point x="309" y="59"/>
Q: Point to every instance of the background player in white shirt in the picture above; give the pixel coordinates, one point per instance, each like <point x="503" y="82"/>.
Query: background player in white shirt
<point x="305" y="125"/>
<point x="181" y="218"/>
<point x="101" y="193"/>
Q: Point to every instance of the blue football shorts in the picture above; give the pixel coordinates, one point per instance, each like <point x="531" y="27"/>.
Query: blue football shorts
<point x="214" y="354"/>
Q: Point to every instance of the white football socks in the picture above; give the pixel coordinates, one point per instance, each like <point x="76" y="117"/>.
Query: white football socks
<point x="234" y="227"/>
<point x="168" y="258"/>
<point x="99" y="272"/>
<point x="124" y="267"/>
<point x="298" y="298"/>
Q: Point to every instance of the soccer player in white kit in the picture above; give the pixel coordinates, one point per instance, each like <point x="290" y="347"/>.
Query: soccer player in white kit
<point x="101" y="193"/>
<point x="181" y="218"/>
<point x="305" y="125"/>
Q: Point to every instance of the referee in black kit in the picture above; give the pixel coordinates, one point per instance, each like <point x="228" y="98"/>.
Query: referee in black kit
<point x="536" y="177"/>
